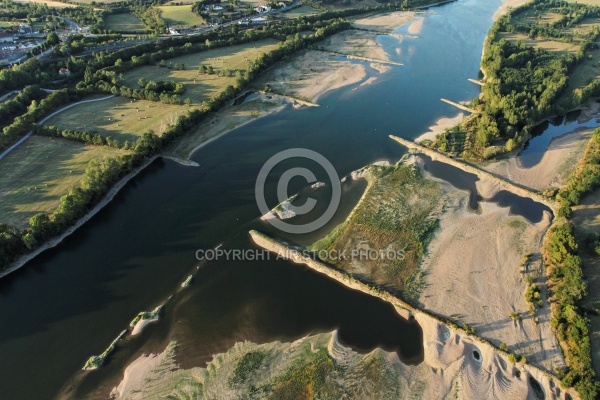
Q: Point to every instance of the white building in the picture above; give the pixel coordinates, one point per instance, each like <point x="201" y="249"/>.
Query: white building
<point x="7" y="38"/>
<point x="259" y="20"/>
<point x="263" y="8"/>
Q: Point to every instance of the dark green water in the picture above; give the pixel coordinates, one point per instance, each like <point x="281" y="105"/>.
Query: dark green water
<point x="72" y="301"/>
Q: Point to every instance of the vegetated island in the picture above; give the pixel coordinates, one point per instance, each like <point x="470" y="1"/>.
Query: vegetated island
<point x="144" y="318"/>
<point x="95" y="362"/>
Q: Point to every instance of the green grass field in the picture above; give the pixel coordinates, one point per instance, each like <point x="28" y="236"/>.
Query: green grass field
<point x="201" y="87"/>
<point x="49" y="3"/>
<point x="180" y="16"/>
<point x="39" y="172"/>
<point x="301" y="12"/>
<point x="6" y="24"/>
<point x="124" y="23"/>
<point x="119" y="118"/>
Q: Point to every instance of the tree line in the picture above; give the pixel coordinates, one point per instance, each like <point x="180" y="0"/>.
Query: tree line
<point x="567" y="283"/>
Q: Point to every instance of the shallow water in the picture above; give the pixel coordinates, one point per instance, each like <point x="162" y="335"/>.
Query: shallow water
<point x="543" y="134"/>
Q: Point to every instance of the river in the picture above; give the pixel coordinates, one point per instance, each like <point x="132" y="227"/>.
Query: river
<point x="71" y="302"/>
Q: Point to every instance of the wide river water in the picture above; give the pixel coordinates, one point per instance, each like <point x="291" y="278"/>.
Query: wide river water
<point x="73" y="300"/>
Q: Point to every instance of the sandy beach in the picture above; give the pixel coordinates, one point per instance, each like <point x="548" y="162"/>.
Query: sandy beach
<point x="508" y="4"/>
<point x="473" y="274"/>
<point x="356" y="43"/>
<point x="440" y="126"/>
<point x="553" y="169"/>
<point x="557" y="162"/>
<point x="311" y="74"/>
<point x="224" y="121"/>
<point x="387" y="23"/>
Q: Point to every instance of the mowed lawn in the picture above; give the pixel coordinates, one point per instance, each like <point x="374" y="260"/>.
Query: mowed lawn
<point x="119" y="117"/>
<point x="39" y="172"/>
<point x="124" y="23"/>
<point x="201" y="87"/>
<point x="180" y="16"/>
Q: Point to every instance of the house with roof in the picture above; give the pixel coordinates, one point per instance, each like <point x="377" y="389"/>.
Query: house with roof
<point x="263" y="8"/>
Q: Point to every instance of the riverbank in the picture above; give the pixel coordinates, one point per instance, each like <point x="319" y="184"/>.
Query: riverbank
<point x="554" y="168"/>
<point x="21" y="261"/>
<point x="478" y="365"/>
<point x="557" y="163"/>
<point x="507" y="5"/>
<point x="387" y="23"/>
<point x="440" y="126"/>
<point x="223" y="122"/>
<point x="300" y="81"/>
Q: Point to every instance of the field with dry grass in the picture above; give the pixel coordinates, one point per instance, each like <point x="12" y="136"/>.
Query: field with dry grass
<point x="201" y="87"/>
<point x="119" y="117"/>
<point x="544" y="44"/>
<point x="39" y="172"/>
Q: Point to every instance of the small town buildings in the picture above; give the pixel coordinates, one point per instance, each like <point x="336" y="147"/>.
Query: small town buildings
<point x="7" y="38"/>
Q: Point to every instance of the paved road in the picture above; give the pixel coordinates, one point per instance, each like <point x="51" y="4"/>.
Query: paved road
<point x="24" y="138"/>
<point x="2" y="98"/>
